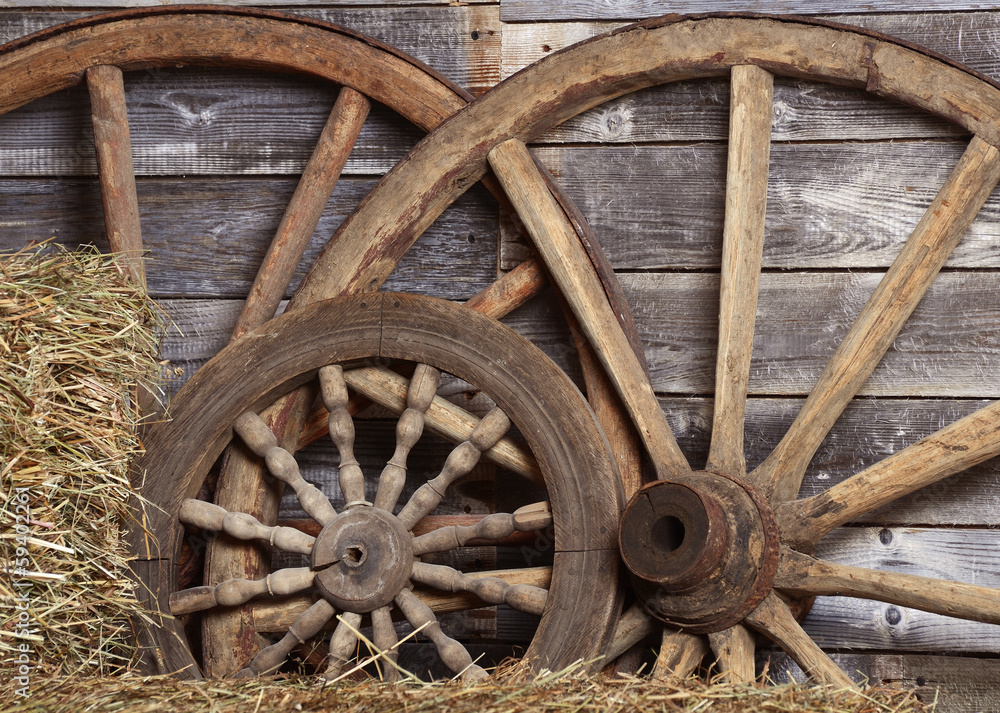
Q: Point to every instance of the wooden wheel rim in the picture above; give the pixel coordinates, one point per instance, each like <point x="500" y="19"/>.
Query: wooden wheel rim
<point x="570" y="448"/>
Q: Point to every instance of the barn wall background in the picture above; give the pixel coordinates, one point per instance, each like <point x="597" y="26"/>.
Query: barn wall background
<point x="217" y="155"/>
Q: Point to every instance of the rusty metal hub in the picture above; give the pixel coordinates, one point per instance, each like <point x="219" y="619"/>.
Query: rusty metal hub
<point x="702" y="549"/>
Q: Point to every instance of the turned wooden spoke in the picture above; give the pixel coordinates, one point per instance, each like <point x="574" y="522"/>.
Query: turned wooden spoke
<point x="529" y="518"/>
<point x="385" y="640"/>
<point x="269" y="616"/>
<point x="928" y="247"/>
<point x="305" y="209"/>
<point x="751" y="108"/>
<point x="453" y="654"/>
<point x="209" y="516"/>
<point x="234" y="592"/>
<point x="305" y="627"/>
<point x="734" y="653"/>
<point x="343" y="642"/>
<point x="114" y="165"/>
<point x="680" y="654"/>
<point x="571" y="268"/>
<point x="341" y="426"/>
<point x="775" y="620"/>
<point x="459" y="462"/>
<point x="804" y="575"/>
<point x="261" y="440"/>
<point x="492" y="590"/>
<point x="419" y="395"/>
<point x="961" y="445"/>
<point x="633" y="626"/>
<point x="388" y="389"/>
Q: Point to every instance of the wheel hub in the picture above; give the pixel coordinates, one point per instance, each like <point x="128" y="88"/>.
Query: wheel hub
<point x="702" y="549"/>
<point x="364" y="557"/>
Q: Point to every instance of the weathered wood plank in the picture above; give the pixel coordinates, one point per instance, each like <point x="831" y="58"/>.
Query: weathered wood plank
<point x="461" y="42"/>
<point x="828" y="205"/>
<point x="958" y="684"/>
<point x="527" y="10"/>
<point x="206" y="237"/>
<point x="199" y="121"/>
<point x="950" y="347"/>
<point x="966" y="555"/>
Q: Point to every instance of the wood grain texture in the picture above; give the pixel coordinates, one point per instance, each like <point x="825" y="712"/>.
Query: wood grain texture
<point x="891" y="304"/>
<point x="751" y="107"/>
<point x="524" y="10"/>
<point x="571" y="269"/>
<point x="114" y="161"/>
<point x="829" y="205"/>
<point x="215" y="245"/>
<point x="962" y="555"/>
<point x="959" y="446"/>
<point x="774" y="619"/>
<point x="802" y="575"/>
<point x="801" y="318"/>
<point x="734" y="653"/>
<point x="318" y="180"/>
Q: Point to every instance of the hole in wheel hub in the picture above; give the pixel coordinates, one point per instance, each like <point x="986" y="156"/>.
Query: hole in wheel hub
<point x="702" y="549"/>
<point x="364" y="557"/>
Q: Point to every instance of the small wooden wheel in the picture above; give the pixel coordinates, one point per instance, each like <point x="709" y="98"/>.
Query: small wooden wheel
<point x="758" y="551"/>
<point x="366" y="560"/>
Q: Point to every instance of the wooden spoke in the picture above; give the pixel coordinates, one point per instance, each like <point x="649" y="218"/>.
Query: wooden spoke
<point x="388" y="389"/>
<point x="261" y="440"/>
<point x="492" y="590"/>
<point x="385" y="640"/>
<point x="341" y="426"/>
<point x="305" y="627"/>
<point x="774" y="619"/>
<point x="529" y="518"/>
<point x="209" y="516"/>
<point x="679" y="655"/>
<point x="305" y="209"/>
<point x="734" y="653"/>
<point x="951" y="450"/>
<point x="343" y="642"/>
<point x="511" y="291"/>
<point x="234" y="592"/>
<point x="453" y="654"/>
<point x="423" y="386"/>
<point x="633" y="626"/>
<point x="571" y="268"/>
<point x="751" y="107"/>
<point x="114" y="165"/>
<point x="808" y="576"/>
<point x="271" y="616"/>
<point x="941" y="227"/>
<point x="459" y="462"/>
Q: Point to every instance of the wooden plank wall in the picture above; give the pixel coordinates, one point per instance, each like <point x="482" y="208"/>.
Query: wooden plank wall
<point x="217" y="155"/>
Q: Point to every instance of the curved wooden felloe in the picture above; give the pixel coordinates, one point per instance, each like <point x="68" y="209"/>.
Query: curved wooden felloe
<point x="572" y="454"/>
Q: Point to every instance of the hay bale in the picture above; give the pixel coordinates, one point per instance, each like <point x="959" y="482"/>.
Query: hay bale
<point x="76" y="337"/>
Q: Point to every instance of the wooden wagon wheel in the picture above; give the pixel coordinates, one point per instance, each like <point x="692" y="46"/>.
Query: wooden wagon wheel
<point x="97" y="51"/>
<point x="734" y="549"/>
<point x="364" y="559"/>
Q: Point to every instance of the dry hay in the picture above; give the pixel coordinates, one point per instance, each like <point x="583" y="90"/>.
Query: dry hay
<point x="75" y="339"/>
<point x="509" y="692"/>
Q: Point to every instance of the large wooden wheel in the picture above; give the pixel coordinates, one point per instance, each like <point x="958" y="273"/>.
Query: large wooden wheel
<point x="719" y="553"/>
<point x="365" y="560"/>
<point x="99" y="51"/>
